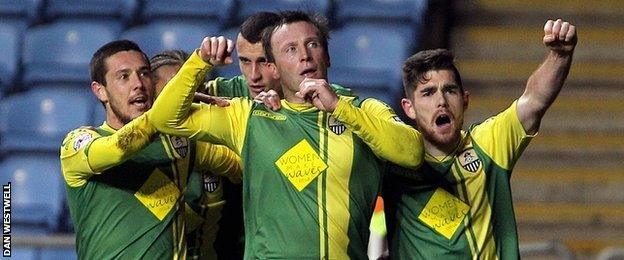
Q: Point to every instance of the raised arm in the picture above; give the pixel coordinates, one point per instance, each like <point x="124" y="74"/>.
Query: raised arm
<point x="171" y="109"/>
<point x="545" y="83"/>
<point x="378" y="127"/>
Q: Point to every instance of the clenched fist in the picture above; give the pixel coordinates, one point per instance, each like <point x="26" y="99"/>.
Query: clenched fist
<point x="560" y="36"/>
<point x="216" y="50"/>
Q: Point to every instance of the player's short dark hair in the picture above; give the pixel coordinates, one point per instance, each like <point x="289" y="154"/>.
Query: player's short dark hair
<point x="168" y="57"/>
<point x="416" y="67"/>
<point x="252" y="28"/>
<point x="97" y="66"/>
<point x="288" y="17"/>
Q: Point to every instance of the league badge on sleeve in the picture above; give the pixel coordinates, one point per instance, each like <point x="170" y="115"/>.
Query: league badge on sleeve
<point x="81" y="140"/>
<point x="469" y="160"/>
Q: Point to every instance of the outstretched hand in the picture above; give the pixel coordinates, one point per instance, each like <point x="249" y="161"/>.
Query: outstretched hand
<point x="208" y="99"/>
<point x="217" y="50"/>
<point x="560" y="36"/>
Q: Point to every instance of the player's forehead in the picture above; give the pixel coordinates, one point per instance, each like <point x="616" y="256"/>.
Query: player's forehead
<point x="436" y="78"/>
<point x="295" y="32"/>
<point x="124" y="61"/>
<point x="249" y="50"/>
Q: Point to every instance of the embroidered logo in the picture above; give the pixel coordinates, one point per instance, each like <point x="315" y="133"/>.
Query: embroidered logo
<point x="444" y="213"/>
<point x="301" y="164"/>
<point x="211" y="183"/>
<point x="180" y="144"/>
<point x="469" y="160"/>
<point x="158" y="194"/>
<point x="268" y="115"/>
<point x="336" y="126"/>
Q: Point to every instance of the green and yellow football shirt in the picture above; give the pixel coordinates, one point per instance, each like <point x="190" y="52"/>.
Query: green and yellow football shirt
<point x="458" y="206"/>
<point x="124" y="188"/>
<point x="310" y="183"/>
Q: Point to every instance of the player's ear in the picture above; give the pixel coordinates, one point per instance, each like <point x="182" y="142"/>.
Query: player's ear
<point x="273" y="69"/>
<point x="99" y="90"/>
<point x="466" y="98"/>
<point x="408" y="108"/>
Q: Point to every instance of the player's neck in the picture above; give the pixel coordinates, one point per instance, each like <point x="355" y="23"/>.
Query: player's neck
<point x="438" y="149"/>
<point x="114" y="122"/>
<point x="292" y="98"/>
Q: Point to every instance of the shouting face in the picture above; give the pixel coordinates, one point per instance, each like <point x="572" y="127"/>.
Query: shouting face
<point x="437" y="105"/>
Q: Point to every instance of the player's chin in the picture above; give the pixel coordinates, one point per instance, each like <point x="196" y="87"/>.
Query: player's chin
<point x="136" y="112"/>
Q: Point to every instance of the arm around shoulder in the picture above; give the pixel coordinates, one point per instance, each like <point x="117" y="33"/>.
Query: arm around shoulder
<point x="379" y="127"/>
<point x="85" y="152"/>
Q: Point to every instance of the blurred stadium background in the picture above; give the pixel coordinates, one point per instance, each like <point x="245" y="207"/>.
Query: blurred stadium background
<point x="568" y="187"/>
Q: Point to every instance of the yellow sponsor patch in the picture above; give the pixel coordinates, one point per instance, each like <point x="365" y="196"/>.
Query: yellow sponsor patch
<point x="158" y="194"/>
<point x="444" y="213"/>
<point x="268" y="115"/>
<point x="301" y="164"/>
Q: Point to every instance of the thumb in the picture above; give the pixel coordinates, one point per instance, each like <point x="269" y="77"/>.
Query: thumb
<point x="549" y="39"/>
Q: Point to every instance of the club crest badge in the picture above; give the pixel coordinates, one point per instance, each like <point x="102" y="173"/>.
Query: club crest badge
<point x="336" y="126"/>
<point x="82" y="140"/>
<point x="211" y="183"/>
<point x="180" y="144"/>
<point x="469" y="160"/>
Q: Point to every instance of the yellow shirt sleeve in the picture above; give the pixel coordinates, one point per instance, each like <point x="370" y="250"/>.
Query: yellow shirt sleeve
<point x="173" y="112"/>
<point x="502" y="137"/>
<point x="85" y="152"/>
<point x="219" y="160"/>
<point x="378" y="126"/>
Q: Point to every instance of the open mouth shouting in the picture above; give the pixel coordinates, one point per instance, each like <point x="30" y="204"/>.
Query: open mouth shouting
<point x="140" y="102"/>
<point x="443" y="122"/>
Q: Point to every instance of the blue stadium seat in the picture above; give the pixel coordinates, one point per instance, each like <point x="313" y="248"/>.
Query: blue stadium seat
<point x="39" y="119"/>
<point x="212" y="11"/>
<point x="165" y="35"/>
<point x="58" y="253"/>
<point x="10" y="42"/>
<point x="391" y="98"/>
<point x="60" y="52"/>
<point x="24" y="253"/>
<point x="99" y="115"/>
<point x="37" y="189"/>
<point x="401" y="10"/>
<point x="249" y="7"/>
<point x="123" y="11"/>
<point x="368" y="56"/>
<point x="27" y="11"/>
<point x="406" y="16"/>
